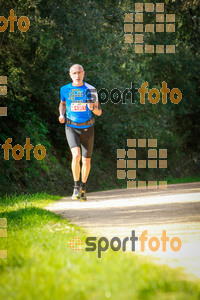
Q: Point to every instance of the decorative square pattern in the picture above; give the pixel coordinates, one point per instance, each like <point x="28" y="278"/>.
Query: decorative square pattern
<point x="162" y="184"/>
<point x="138" y="7"/>
<point x="142" y="164"/>
<point x="121" y="174"/>
<point x="3" y="88"/>
<point x="138" y="27"/>
<point x="149" y="28"/>
<point x="162" y="153"/>
<point x="159" y="7"/>
<point x="170" y="48"/>
<point x="121" y="153"/>
<point x="128" y="17"/>
<point x="3" y="253"/>
<point x="163" y="164"/>
<point x="170" y="17"/>
<point x="128" y="38"/>
<point x="152" y="185"/>
<point x="128" y="27"/>
<point x="149" y="7"/>
<point x="152" y="143"/>
<point x="152" y="164"/>
<point x="131" y="153"/>
<point x="131" y="184"/>
<point x="3" y="222"/>
<point x="160" y="17"/>
<point x="159" y="27"/>
<point x="3" y="111"/>
<point x="160" y="49"/>
<point x="127" y="163"/>
<point x="149" y="48"/>
<point x="138" y="17"/>
<point x="121" y="164"/>
<point x="142" y="185"/>
<point x="142" y="143"/>
<point x="139" y="38"/>
<point x="152" y="153"/>
<point x="131" y="174"/>
<point x="3" y="234"/>
<point x="3" y="79"/>
<point x="170" y="28"/>
<point x="131" y="164"/>
<point x="131" y="142"/>
<point x="138" y="49"/>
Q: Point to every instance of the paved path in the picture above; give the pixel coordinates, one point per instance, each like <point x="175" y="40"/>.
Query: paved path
<point x="118" y="212"/>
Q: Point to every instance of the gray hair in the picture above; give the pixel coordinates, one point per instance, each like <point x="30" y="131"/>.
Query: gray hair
<point x="76" y="65"/>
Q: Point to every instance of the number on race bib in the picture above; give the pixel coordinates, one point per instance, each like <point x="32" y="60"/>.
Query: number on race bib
<point x="78" y="107"/>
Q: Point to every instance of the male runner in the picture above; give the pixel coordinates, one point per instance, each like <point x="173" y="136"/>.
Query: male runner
<point x="79" y="100"/>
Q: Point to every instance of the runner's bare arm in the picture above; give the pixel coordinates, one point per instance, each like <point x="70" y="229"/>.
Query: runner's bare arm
<point x="96" y="108"/>
<point x="93" y="103"/>
<point x="62" y="110"/>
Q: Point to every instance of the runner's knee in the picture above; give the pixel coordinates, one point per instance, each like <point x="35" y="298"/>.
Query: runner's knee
<point x="76" y="154"/>
<point x="86" y="161"/>
<point x="76" y="157"/>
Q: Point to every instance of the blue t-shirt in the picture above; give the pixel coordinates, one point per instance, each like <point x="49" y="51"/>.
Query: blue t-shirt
<point x="76" y="98"/>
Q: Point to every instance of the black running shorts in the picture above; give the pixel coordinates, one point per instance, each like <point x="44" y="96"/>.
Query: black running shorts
<point x="83" y="136"/>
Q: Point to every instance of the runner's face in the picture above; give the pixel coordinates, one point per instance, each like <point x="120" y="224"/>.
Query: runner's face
<point x="77" y="75"/>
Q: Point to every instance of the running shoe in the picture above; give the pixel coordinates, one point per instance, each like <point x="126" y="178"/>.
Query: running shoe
<point x="83" y="195"/>
<point x="76" y="193"/>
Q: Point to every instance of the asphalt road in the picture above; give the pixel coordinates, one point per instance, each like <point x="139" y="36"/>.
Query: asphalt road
<point x="116" y="213"/>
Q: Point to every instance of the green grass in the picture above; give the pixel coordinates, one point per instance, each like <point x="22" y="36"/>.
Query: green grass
<point x="40" y="264"/>
<point x="183" y="180"/>
<point x="170" y="180"/>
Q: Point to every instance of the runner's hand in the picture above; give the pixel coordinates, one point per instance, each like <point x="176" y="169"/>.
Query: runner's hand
<point x="61" y="119"/>
<point x="90" y="106"/>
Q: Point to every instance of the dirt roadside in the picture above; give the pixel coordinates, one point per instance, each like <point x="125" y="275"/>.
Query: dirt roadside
<point x="116" y="213"/>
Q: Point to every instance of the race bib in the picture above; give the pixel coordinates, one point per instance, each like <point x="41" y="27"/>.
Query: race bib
<point x="78" y="107"/>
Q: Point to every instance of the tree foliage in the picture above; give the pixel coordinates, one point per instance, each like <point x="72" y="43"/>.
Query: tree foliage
<point x="65" y="32"/>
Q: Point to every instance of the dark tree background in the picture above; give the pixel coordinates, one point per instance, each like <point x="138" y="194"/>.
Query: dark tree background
<point x="90" y="33"/>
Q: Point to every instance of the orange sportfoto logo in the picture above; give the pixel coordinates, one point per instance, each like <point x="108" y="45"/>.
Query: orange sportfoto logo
<point x="102" y="244"/>
<point x="75" y="244"/>
<point x="23" y="23"/>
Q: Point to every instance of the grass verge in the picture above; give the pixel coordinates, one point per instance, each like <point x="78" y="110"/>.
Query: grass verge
<point x="183" y="180"/>
<point x="40" y="264"/>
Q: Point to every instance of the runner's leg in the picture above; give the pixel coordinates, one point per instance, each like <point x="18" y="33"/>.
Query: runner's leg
<point x="76" y="156"/>
<point x="73" y="138"/>
<point x="87" y="142"/>
<point x="86" y="166"/>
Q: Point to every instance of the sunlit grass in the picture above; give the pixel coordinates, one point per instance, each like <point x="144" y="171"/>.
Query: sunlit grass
<point x="183" y="180"/>
<point x="40" y="264"/>
<point x="9" y="203"/>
